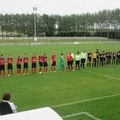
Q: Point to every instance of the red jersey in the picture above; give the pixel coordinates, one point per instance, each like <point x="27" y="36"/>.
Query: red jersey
<point x="44" y="59"/>
<point x="33" y="59"/>
<point x="2" y="61"/>
<point x="9" y="60"/>
<point x="69" y="58"/>
<point x="19" y="61"/>
<point x="25" y="59"/>
<point x="40" y="58"/>
<point x="53" y="58"/>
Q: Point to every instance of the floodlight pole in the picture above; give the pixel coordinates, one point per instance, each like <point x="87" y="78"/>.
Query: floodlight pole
<point x="56" y="28"/>
<point x="35" y="28"/>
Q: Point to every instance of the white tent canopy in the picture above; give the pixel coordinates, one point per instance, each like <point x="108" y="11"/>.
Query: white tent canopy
<point x="36" y="114"/>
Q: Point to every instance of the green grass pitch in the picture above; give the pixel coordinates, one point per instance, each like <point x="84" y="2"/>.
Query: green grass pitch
<point x="95" y="91"/>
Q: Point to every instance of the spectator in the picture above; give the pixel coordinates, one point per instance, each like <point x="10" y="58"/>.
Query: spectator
<point x="7" y="107"/>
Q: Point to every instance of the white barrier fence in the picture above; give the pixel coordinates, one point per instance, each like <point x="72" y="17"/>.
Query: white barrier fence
<point x="36" y="114"/>
<point x="59" y="43"/>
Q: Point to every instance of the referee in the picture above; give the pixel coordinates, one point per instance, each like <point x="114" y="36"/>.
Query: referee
<point x="83" y="57"/>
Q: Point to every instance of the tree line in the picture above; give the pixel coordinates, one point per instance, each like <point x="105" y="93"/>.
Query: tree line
<point x="105" y="23"/>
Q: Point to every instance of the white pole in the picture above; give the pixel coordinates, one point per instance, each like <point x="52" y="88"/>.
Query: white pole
<point x="35" y="28"/>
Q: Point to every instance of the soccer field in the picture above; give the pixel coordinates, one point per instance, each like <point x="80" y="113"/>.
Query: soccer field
<point x="89" y="94"/>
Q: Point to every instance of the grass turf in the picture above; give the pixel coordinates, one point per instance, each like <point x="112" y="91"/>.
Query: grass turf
<point x="34" y="91"/>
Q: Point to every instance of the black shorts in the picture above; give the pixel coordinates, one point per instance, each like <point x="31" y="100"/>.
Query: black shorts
<point x="25" y="65"/>
<point x="2" y="67"/>
<point x="18" y="66"/>
<point x="68" y="63"/>
<point x="71" y="62"/>
<point x="45" y="64"/>
<point x="89" y="59"/>
<point x="40" y="64"/>
<point x="101" y="59"/>
<point x="54" y="63"/>
<point x="33" y="65"/>
<point x="10" y="66"/>
<point x="94" y="59"/>
<point x="77" y="62"/>
<point x="82" y="60"/>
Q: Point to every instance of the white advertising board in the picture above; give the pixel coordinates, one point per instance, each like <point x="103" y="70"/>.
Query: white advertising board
<point x="36" y="114"/>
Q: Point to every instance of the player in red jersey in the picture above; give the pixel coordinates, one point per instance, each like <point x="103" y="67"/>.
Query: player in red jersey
<point x="10" y="66"/>
<point x="53" y="66"/>
<point x="45" y="63"/>
<point x="33" y="60"/>
<point x="69" y="61"/>
<point x="2" y="65"/>
<point x="18" y="64"/>
<point x="25" y="64"/>
<point x="0" y="68"/>
<point x="40" y="60"/>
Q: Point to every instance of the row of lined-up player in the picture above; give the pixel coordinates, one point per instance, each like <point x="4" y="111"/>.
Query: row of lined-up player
<point x="91" y="59"/>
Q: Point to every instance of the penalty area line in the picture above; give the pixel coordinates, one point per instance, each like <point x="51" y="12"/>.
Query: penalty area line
<point x="83" y="101"/>
<point x="79" y="114"/>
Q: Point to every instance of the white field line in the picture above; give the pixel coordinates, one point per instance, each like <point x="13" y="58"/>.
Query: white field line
<point x="73" y="115"/>
<point x="91" y="116"/>
<point x="107" y="76"/>
<point x="83" y="101"/>
<point x="81" y="113"/>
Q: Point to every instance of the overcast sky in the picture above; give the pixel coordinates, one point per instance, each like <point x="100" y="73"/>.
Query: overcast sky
<point x="61" y="7"/>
